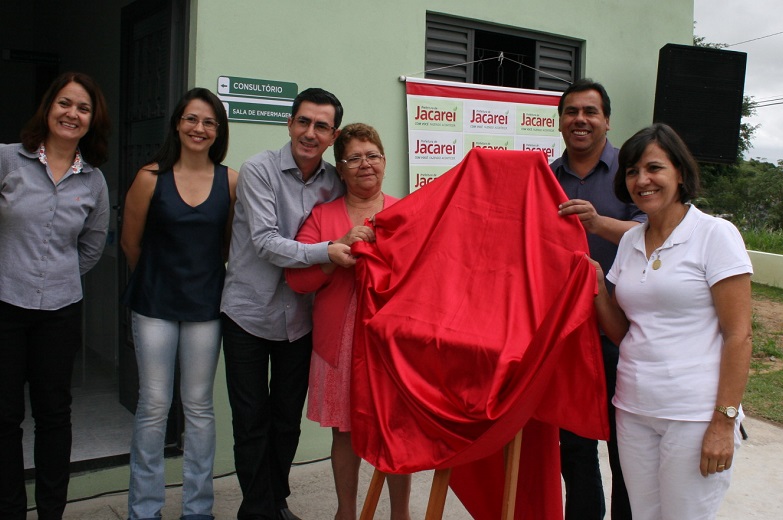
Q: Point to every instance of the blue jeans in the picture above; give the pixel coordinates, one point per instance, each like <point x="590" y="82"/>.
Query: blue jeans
<point x="158" y="342"/>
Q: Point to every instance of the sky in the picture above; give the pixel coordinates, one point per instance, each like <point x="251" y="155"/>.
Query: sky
<point x="735" y="21"/>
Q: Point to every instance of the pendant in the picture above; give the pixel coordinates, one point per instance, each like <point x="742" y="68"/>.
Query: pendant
<point x="656" y="264"/>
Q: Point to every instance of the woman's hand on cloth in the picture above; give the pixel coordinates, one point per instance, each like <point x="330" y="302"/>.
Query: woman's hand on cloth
<point x="356" y="234"/>
<point x="611" y="318"/>
<point x="599" y="274"/>
<point x="340" y="250"/>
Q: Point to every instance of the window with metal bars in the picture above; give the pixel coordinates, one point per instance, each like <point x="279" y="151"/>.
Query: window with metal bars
<point x="470" y="51"/>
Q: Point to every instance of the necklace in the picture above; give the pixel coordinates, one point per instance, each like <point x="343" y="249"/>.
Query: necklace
<point x="363" y="207"/>
<point x="657" y="262"/>
<point x="360" y="213"/>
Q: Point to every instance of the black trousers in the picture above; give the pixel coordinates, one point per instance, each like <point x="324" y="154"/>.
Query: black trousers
<point x="579" y="461"/>
<point x="267" y="385"/>
<point x="37" y="347"/>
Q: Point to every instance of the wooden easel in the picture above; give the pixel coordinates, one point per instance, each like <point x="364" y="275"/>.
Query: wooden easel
<point x="440" y="486"/>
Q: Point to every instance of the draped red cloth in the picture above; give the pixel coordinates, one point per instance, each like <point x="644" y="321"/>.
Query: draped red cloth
<point x="475" y="320"/>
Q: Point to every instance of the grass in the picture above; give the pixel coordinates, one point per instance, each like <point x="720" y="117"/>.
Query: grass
<point x="764" y="240"/>
<point x="764" y="393"/>
<point x="764" y="396"/>
<point x="767" y="292"/>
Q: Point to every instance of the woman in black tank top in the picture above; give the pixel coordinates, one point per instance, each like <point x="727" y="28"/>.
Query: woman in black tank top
<point x="175" y="234"/>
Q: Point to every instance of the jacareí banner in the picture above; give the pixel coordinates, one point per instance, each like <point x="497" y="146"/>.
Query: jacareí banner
<point x="447" y="119"/>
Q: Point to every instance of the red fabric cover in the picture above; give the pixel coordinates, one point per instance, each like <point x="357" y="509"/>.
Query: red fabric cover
<point x="333" y="292"/>
<point x="475" y="319"/>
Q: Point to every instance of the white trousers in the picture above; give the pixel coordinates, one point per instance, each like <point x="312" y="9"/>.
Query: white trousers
<point x="660" y="461"/>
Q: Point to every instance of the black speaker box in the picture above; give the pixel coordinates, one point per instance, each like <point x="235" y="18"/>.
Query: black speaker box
<point x="699" y="94"/>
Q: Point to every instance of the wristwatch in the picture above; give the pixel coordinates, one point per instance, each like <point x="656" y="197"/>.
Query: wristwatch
<point x="728" y="411"/>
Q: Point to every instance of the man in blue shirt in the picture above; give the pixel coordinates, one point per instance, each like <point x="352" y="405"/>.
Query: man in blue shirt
<point x="267" y="327"/>
<point x="586" y="172"/>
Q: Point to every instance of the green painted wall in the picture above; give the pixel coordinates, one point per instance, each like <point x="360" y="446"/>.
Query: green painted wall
<point x="359" y="48"/>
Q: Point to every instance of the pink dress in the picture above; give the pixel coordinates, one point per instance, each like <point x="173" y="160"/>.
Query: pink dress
<point x="334" y="314"/>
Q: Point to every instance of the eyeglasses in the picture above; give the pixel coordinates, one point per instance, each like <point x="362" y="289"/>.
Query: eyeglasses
<point x="321" y="128"/>
<point x="209" y="124"/>
<point x="356" y="161"/>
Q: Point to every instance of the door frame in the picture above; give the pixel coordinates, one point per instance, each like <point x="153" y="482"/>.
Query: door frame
<point x="137" y="18"/>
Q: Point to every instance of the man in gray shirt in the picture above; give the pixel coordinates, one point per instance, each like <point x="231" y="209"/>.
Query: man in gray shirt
<point x="267" y="337"/>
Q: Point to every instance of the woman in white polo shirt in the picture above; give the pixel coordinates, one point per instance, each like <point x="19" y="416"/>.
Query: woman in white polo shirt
<point x="681" y="313"/>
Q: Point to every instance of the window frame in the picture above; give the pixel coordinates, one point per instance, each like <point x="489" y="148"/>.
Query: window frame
<point x="450" y="49"/>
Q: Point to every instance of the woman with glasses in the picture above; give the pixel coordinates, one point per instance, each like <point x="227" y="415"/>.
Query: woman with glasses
<point x="361" y="165"/>
<point x="54" y="215"/>
<point x="175" y="235"/>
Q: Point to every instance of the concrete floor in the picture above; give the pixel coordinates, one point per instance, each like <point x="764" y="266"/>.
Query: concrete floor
<point x="756" y="491"/>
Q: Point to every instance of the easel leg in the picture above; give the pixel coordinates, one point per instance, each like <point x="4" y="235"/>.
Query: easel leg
<point x="512" y="452"/>
<point x="373" y="495"/>
<point x="440" y="486"/>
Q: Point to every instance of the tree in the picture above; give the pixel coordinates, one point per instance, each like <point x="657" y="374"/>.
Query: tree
<point x="746" y="129"/>
<point x="749" y="193"/>
<point x="698" y="41"/>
